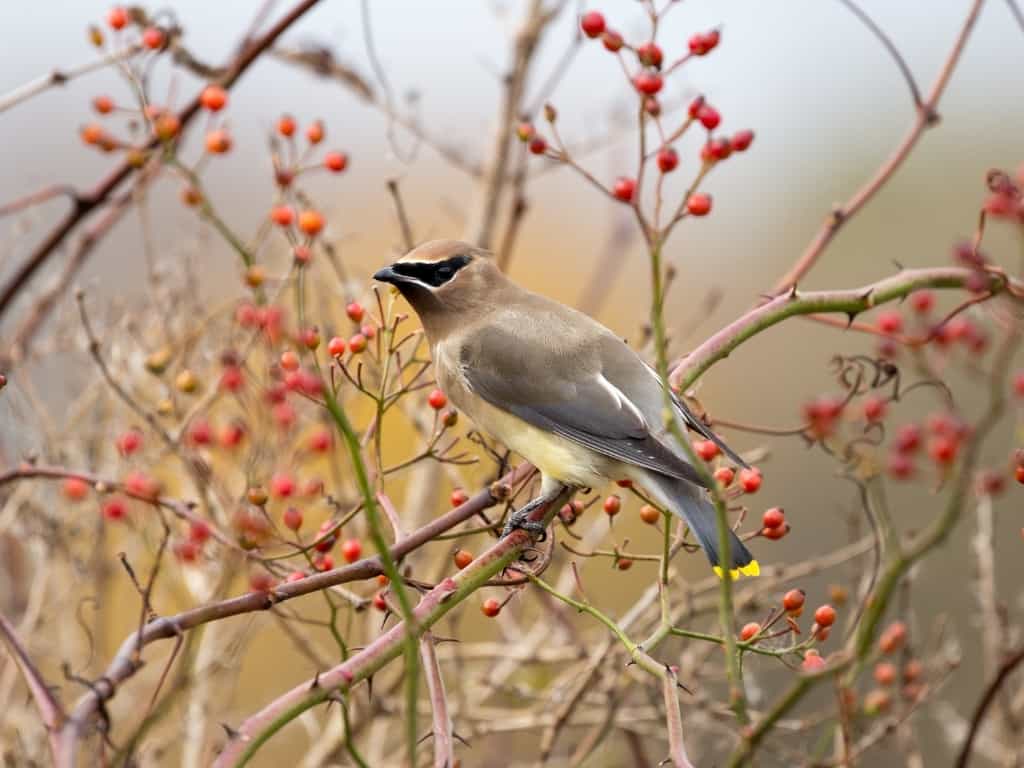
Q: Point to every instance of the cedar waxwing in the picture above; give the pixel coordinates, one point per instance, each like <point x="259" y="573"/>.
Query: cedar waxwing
<point x="555" y="386"/>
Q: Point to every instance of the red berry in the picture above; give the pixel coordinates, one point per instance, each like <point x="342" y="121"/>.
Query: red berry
<point x="724" y="476"/>
<point x="336" y="161"/>
<point x="1018" y="473"/>
<point x="893" y="637"/>
<point x="336" y="346"/>
<point x="152" y="38"/>
<point x="900" y="466"/>
<point x="117" y="17"/>
<point x="232" y="435"/>
<point x="295" y="576"/>
<point x="75" y="489"/>
<point x="623" y="563"/>
<point x="282" y="485"/>
<point x="261" y="581"/>
<point x="186" y="551"/>
<point x="311" y="222"/>
<point x="115" y="508"/>
<point x="702" y="44"/>
<point x="200" y="432"/>
<point x="908" y="439"/>
<point x="351" y="549"/>
<point x="741" y="140"/>
<point x="699" y="204"/>
<point x="612" y="40"/>
<point x="716" y="149"/>
<point x="286" y="125"/>
<point x="624" y="189"/>
<point x="875" y="408"/>
<point x="592" y="24"/>
<point x="706" y="449"/>
<point x="379" y="602"/>
<point x="773" y="518"/>
<point x="129" y="442"/>
<point x="890" y="321"/>
<point x="459" y="497"/>
<point x="326" y="536"/>
<point x="282" y="215"/>
<point x="315" y="132"/>
<point x="141" y="485"/>
<point x="649" y="514"/>
<point x="491" y="607"/>
<point x="649" y="83"/>
<point x="749" y="631"/>
<point x="649" y="54"/>
<point x="812" y="663"/>
<point x="775" y="533"/>
<point x="612" y="505"/>
<point x="437" y="400"/>
<point x="1018" y="383"/>
<point x="885" y="673"/>
<point x="462" y="558"/>
<point x="793" y="601"/>
<point x="922" y="301"/>
<point x="104" y="105"/>
<point x="199" y="531"/>
<point x="912" y="671"/>
<point x="943" y="449"/>
<point x="357" y="343"/>
<point x="825" y="616"/>
<point x="750" y="479"/>
<point x="310" y="338"/>
<point x="292" y="518"/>
<point x="709" y="116"/>
<point x="289" y="360"/>
<point x="320" y="441"/>
<point x="668" y="159"/>
<point x="213" y="98"/>
<point x="355" y="311"/>
<point x="695" y="106"/>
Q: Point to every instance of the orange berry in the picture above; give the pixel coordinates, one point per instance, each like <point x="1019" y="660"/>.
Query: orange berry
<point x="649" y="514"/>
<point x="749" y="631"/>
<point x="166" y="126"/>
<point x="103" y="105"/>
<point x="218" y="142"/>
<point x="282" y="215"/>
<point x="286" y="125"/>
<point x="885" y="673"/>
<point x="462" y="558"/>
<point x="92" y="134"/>
<point x="311" y="222"/>
<point x="491" y="607"/>
<point x="825" y="616"/>
<point x="315" y="132"/>
<point x="213" y="98"/>
<point x="724" y="476"/>
<point x="612" y="505"/>
<point x="336" y="161"/>
<point x="75" y="489"/>
<point x="793" y="602"/>
<point x="289" y="360"/>
<point x="357" y="343"/>
<point x="117" y="17"/>
<point x="153" y="38"/>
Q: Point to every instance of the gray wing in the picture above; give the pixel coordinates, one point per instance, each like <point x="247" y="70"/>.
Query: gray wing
<point x="693" y="422"/>
<point x="557" y="382"/>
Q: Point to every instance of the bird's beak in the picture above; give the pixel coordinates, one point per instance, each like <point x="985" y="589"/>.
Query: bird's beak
<point x="387" y="275"/>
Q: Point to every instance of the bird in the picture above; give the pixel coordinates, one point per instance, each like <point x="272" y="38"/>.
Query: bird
<point x="556" y="387"/>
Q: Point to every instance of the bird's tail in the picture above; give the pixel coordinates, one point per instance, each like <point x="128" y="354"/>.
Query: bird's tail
<point x="689" y="502"/>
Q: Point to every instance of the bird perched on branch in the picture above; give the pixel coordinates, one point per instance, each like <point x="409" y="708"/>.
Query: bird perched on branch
<point x="556" y="387"/>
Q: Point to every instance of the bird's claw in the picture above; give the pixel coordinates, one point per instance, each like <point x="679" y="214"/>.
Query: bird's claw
<point x="521" y="521"/>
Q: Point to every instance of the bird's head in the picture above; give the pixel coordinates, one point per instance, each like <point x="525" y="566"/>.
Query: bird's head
<point x="444" y="279"/>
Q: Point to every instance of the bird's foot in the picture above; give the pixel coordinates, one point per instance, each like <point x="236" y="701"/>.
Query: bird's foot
<point x="520" y="520"/>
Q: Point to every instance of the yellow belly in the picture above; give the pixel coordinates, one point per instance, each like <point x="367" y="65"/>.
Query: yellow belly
<point x="556" y="457"/>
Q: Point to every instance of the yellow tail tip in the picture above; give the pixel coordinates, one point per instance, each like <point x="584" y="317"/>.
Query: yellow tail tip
<point x="750" y="569"/>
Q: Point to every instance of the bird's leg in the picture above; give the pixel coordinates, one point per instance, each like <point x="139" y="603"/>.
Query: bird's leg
<point x="520" y="519"/>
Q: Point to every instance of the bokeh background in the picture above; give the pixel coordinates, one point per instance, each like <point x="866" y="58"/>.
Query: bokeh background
<point x="827" y="105"/>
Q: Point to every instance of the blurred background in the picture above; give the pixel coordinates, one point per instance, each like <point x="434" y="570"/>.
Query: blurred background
<point x="826" y="102"/>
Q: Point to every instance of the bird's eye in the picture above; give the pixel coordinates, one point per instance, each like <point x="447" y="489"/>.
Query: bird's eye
<point x="444" y="272"/>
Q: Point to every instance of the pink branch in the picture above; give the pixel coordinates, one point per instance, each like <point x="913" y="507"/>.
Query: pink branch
<point x="926" y="117"/>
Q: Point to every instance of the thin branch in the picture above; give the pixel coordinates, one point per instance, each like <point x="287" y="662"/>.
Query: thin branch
<point x="49" y="708"/>
<point x="989" y="696"/>
<point x="444" y="745"/>
<point x="926" y="117"/>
